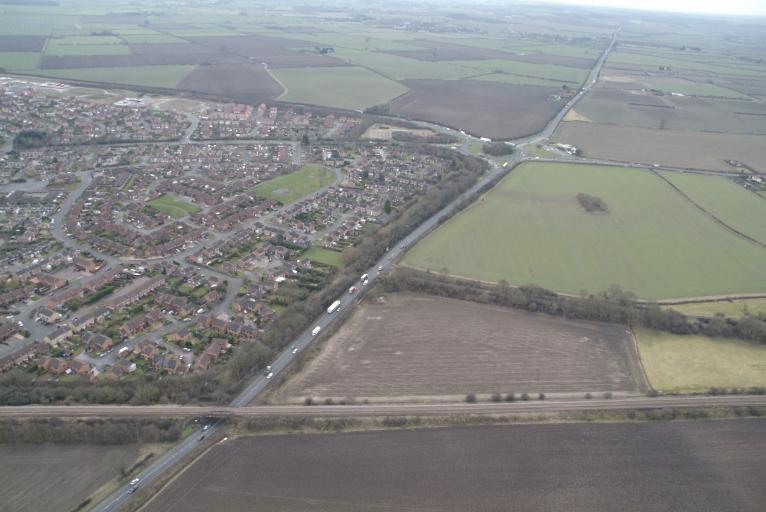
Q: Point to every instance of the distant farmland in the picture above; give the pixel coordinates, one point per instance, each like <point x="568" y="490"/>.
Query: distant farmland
<point x="530" y="229"/>
<point x="651" y="467"/>
<point x="669" y="147"/>
<point x="497" y="110"/>
<point x="340" y="87"/>
<point x="422" y="348"/>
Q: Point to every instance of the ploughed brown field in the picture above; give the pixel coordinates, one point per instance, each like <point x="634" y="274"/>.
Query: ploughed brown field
<point x="277" y="52"/>
<point x="57" y="478"/>
<point x="417" y="347"/>
<point x="663" y="466"/>
<point x="249" y="83"/>
<point x="673" y="148"/>
<point x="444" y="51"/>
<point x="497" y="110"/>
<point x="22" y="43"/>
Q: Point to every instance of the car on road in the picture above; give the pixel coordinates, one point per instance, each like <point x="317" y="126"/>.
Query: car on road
<point x="380" y="268"/>
<point x="133" y="489"/>
<point x="364" y="283"/>
<point x="269" y="375"/>
<point x="206" y="427"/>
<point x="135" y="481"/>
<point x="294" y="349"/>
<point x="316" y="330"/>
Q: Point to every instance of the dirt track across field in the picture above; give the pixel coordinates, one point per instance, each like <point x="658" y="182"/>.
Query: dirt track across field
<point x="416" y="348"/>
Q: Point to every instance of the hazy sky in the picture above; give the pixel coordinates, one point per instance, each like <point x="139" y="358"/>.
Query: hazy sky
<point x="697" y="6"/>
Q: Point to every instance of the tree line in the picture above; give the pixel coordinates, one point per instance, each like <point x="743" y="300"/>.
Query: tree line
<point x="613" y="305"/>
<point x="89" y="431"/>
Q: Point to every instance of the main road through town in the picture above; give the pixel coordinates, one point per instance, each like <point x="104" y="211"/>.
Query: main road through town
<point x="122" y="494"/>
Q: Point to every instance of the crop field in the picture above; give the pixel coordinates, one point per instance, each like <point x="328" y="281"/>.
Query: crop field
<point x="671" y="113"/>
<point x="668" y="147"/>
<point x="326" y="256"/>
<point x="243" y="82"/>
<point x="730" y="308"/>
<point x="517" y="79"/>
<point x="531" y="229"/>
<point x="416" y="347"/>
<point x="646" y="59"/>
<point x="21" y="43"/>
<point x="652" y="467"/>
<point x="88" y="49"/>
<point x="498" y="110"/>
<point x="731" y="203"/>
<point x="277" y="52"/>
<point x="289" y="188"/>
<point x="688" y="364"/>
<point x="173" y="206"/>
<point x="561" y="74"/>
<point x="340" y="87"/>
<point x="689" y="88"/>
<point x="57" y="478"/>
<point x="152" y="76"/>
<point x="401" y="68"/>
<point x="19" y="61"/>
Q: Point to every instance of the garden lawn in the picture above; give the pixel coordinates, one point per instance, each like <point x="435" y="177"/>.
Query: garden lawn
<point x="173" y="206"/>
<point x="326" y="256"/>
<point x="530" y="229"/>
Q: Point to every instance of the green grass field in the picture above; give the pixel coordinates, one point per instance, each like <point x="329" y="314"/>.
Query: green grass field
<point x="340" y="87"/>
<point x="573" y="76"/>
<point x="326" y="256"/>
<point x="697" y="363"/>
<point x="643" y="59"/>
<point x="691" y="88"/>
<point x="582" y="52"/>
<point x="88" y="49"/>
<point x="173" y="206"/>
<point x="289" y="188"/>
<point x="19" y="61"/>
<point x="84" y="40"/>
<point x="531" y="229"/>
<point x="730" y="308"/>
<point x="519" y="80"/>
<point x="152" y="76"/>
<point x="151" y="39"/>
<point x="730" y="202"/>
<point x="402" y="68"/>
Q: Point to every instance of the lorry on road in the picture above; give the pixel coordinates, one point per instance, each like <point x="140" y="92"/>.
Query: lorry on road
<point x="334" y="306"/>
